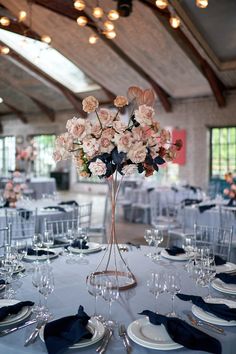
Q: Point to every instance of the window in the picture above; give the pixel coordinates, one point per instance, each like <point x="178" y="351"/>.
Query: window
<point x="44" y="162"/>
<point x="222" y="151"/>
<point x="7" y="154"/>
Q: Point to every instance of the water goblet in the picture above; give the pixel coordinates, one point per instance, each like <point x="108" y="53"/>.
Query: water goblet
<point x="157" y="236"/>
<point x="46" y="287"/>
<point x="82" y="237"/>
<point x="173" y="287"/>
<point x="36" y="279"/>
<point x="48" y="241"/>
<point x="95" y="289"/>
<point x="110" y="293"/>
<point x="70" y="237"/>
<point x="149" y="239"/>
<point x="37" y="242"/>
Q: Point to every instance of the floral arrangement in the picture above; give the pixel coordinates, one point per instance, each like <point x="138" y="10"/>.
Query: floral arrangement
<point x="231" y="191"/>
<point x="27" y="153"/>
<point x="105" y="143"/>
<point x="13" y="190"/>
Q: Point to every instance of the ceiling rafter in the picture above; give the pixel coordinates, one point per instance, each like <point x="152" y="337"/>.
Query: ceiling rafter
<point x="49" y="112"/>
<point x="68" y="11"/>
<point x="182" y="40"/>
<point x="16" y="111"/>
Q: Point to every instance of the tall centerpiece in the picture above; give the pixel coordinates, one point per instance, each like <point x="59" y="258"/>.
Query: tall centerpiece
<point x="27" y="156"/>
<point x="107" y="146"/>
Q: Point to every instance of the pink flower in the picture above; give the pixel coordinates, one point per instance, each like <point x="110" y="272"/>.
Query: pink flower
<point x="6" y="194"/>
<point x="57" y="156"/>
<point x="106" y="117"/>
<point x="17" y="188"/>
<point x="226" y="191"/>
<point x="90" y="104"/>
<point x="96" y="130"/>
<point x="144" y="115"/>
<point x="120" y="101"/>
<point x="170" y="154"/>
<point x="16" y="174"/>
<point x="78" y="128"/>
<point x="123" y="141"/>
<point x="119" y="126"/>
<point x="9" y="186"/>
<point x="129" y="170"/>
<point x="137" y="152"/>
<point x="98" y="168"/>
<point x="90" y="146"/>
<point x="65" y="140"/>
<point x="233" y="187"/>
<point x="105" y="140"/>
<point x="164" y="136"/>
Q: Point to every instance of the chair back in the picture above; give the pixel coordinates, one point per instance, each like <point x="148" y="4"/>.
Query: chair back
<point x="5" y="238"/>
<point x="60" y="227"/>
<point x="23" y="223"/>
<point x="84" y="215"/>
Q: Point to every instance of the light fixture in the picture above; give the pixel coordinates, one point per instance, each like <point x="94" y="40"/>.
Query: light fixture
<point x="79" y="5"/>
<point x="202" y="3"/>
<point x="1" y="100"/>
<point x="82" y="21"/>
<point x="161" y="4"/>
<point x="174" y="21"/>
<point x="110" y="34"/>
<point x="108" y="26"/>
<point x="4" y="21"/>
<point x="97" y="12"/>
<point x="93" y="39"/>
<point x="113" y="15"/>
<point x="4" y="50"/>
<point x="46" y="39"/>
<point x="22" y="15"/>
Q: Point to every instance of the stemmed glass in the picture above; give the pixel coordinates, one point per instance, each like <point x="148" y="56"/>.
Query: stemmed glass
<point x="149" y="239"/>
<point x="157" y="236"/>
<point x="189" y="249"/>
<point x="9" y="264"/>
<point x="48" y="241"/>
<point x="110" y="293"/>
<point x="173" y="287"/>
<point x="95" y="289"/>
<point x="46" y="287"/>
<point x="82" y="236"/>
<point x="37" y="243"/>
<point x="36" y="279"/>
<point x="155" y="286"/>
<point x="70" y="238"/>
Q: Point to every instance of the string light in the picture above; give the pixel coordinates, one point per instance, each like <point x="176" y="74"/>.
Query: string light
<point x="22" y="15"/>
<point x="1" y="100"/>
<point x="79" y="5"/>
<point x="4" y="21"/>
<point x="82" y="21"/>
<point x="110" y="34"/>
<point x="175" y="21"/>
<point x="97" y="12"/>
<point x="4" y="50"/>
<point x="161" y="4"/>
<point x="202" y="3"/>
<point x="93" y="39"/>
<point x="46" y="39"/>
<point x="108" y="26"/>
<point x="113" y="15"/>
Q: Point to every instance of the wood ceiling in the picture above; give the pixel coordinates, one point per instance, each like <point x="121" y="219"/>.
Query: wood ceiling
<point x="146" y="52"/>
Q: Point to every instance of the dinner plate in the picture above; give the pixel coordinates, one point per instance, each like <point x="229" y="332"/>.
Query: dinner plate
<point x="20" y="268"/>
<point x="227" y="267"/>
<point x="224" y="287"/>
<point x="41" y="258"/>
<point x="13" y="319"/>
<point x="209" y="317"/>
<point x="151" y="336"/>
<point x="2" y="287"/>
<point x="179" y="257"/>
<point x="93" y="247"/>
<point x="94" y="326"/>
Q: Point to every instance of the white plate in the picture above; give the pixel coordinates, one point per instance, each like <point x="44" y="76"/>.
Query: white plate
<point x="19" y="269"/>
<point x="2" y="287"/>
<point x="40" y="258"/>
<point x="94" y="326"/>
<point x="209" y="317"/>
<point x="13" y="319"/>
<point x="93" y="247"/>
<point x="150" y="336"/>
<point x="179" y="257"/>
<point x="223" y="287"/>
<point x="227" y="267"/>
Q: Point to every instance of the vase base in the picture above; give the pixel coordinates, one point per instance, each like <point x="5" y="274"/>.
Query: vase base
<point x="125" y="280"/>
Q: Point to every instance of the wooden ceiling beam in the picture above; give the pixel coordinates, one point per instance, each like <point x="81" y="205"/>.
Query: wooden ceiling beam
<point x="67" y="10"/>
<point x="49" y="112"/>
<point x="182" y="40"/>
<point x="16" y="111"/>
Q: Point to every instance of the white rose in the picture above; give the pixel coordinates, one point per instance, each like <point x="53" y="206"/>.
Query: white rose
<point x="123" y="141"/>
<point x="98" y="168"/>
<point x="106" y="117"/>
<point x="144" y="115"/>
<point x="137" y="152"/>
<point x="129" y="170"/>
<point x="90" y="146"/>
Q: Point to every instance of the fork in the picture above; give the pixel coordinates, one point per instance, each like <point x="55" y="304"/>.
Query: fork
<point x="207" y="325"/>
<point x="33" y="336"/>
<point x="123" y="335"/>
<point x="102" y="348"/>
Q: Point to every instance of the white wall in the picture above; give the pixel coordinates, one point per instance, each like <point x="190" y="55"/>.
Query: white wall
<point x="194" y="115"/>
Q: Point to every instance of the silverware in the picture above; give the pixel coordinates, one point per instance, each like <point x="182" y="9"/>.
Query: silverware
<point x="124" y="336"/>
<point x="33" y="336"/>
<point x="205" y="325"/>
<point x="11" y="330"/>
<point x="103" y="347"/>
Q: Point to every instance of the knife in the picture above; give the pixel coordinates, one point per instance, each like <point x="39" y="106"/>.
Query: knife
<point x="11" y="330"/>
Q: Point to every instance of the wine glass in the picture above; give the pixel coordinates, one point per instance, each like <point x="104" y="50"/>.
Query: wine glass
<point x="149" y="239"/>
<point x="173" y="287"/>
<point x="48" y="241"/>
<point x="82" y="237"/>
<point x="157" y="236"/>
<point x="155" y="286"/>
<point x="37" y="243"/>
<point x="36" y="279"/>
<point x="70" y="238"/>
<point x="110" y="293"/>
<point x="94" y="288"/>
<point x="46" y="287"/>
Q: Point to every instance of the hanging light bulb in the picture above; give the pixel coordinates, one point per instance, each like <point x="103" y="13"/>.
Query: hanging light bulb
<point x="4" y="50"/>
<point x="161" y="4"/>
<point x="1" y="100"/>
<point x="79" y="5"/>
<point x="97" y="12"/>
<point x="113" y="15"/>
<point x="22" y="16"/>
<point x="4" y="21"/>
<point x="46" y="39"/>
<point x="202" y="3"/>
<point x="174" y="21"/>
<point x="108" y="26"/>
<point x="93" y="39"/>
<point x="82" y="21"/>
<point x="110" y="34"/>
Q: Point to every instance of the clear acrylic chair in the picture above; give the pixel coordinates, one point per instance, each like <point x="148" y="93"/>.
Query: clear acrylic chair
<point x="84" y="215"/>
<point x="5" y="238"/>
<point x="60" y="227"/>
<point x="97" y="230"/>
<point x="23" y="223"/>
<point x="220" y="239"/>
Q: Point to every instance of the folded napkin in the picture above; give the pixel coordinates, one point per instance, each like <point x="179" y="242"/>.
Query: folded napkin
<point x="55" y="208"/>
<point x="80" y="243"/>
<point x="219" y="310"/>
<point x="63" y="333"/>
<point x="175" y="251"/>
<point x="13" y="309"/>
<point x="181" y="332"/>
<point x="227" y="278"/>
<point x="2" y="282"/>
<point x="69" y="202"/>
<point x="192" y="188"/>
<point x="24" y="213"/>
<point x="231" y="203"/>
<point x="174" y="189"/>
<point x="5" y="205"/>
<point x="187" y="202"/>
<point x="60" y="242"/>
<point x="219" y="260"/>
<point x="203" y="208"/>
<point x="32" y="252"/>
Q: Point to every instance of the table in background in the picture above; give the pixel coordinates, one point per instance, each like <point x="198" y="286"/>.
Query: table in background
<point x="42" y="185"/>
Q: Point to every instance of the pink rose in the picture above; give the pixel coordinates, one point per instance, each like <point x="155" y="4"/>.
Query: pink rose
<point x="129" y="170"/>
<point x="119" y="126"/>
<point x="164" y="136"/>
<point x="96" y="130"/>
<point x="144" y="115"/>
<point x="65" y="140"/>
<point x="106" y="117"/>
<point x="57" y="156"/>
<point x="9" y="186"/>
<point x="90" y="146"/>
<point x="120" y="101"/>
<point x="137" y="152"/>
<point x="90" y="104"/>
<point x="98" y="168"/>
<point x="226" y="191"/>
<point x="17" y="188"/>
<point x="78" y="128"/>
<point x="123" y="141"/>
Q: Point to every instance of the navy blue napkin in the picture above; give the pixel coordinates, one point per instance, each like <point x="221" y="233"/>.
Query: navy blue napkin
<point x="55" y="207"/>
<point x="69" y="202"/>
<point x="219" y="310"/>
<point x="5" y="205"/>
<point x="80" y="243"/>
<point x="175" y="251"/>
<point x="32" y="252"/>
<point x="227" y="278"/>
<point x="24" y="213"/>
<point x="60" y="242"/>
<point x="219" y="260"/>
<point x="187" y="201"/>
<point x="13" y="309"/>
<point x="181" y="332"/>
<point x="203" y="208"/>
<point x="2" y="282"/>
<point x="231" y="203"/>
<point x="66" y="331"/>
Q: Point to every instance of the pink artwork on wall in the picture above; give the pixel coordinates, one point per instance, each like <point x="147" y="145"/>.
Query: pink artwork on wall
<point x="180" y="134"/>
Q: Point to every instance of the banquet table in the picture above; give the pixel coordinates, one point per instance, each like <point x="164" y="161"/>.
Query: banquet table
<point x="42" y="185"/>
<point x="70" y="292"/>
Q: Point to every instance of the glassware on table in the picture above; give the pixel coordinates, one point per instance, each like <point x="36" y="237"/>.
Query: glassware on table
<point x="155" y="286"/>
<point x="95" y="289"/>
<point x="37" y="242"/>
<point x="110" y="293"/>
<point x="188" y="246"/>
<point x="149" y="239"/>
<point x="46" y="287"/>
<point x="36" y="279"/>
<point x="173" y="287"/>
<point x="82" y="234"/>
<point x="70" y="238"/>
<point x="48" y="241"/>
<point x="157" y="236"/>
<point x="9" y="265"/>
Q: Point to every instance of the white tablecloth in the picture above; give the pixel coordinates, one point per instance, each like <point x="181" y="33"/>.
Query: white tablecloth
<point x="42" y="185"/>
